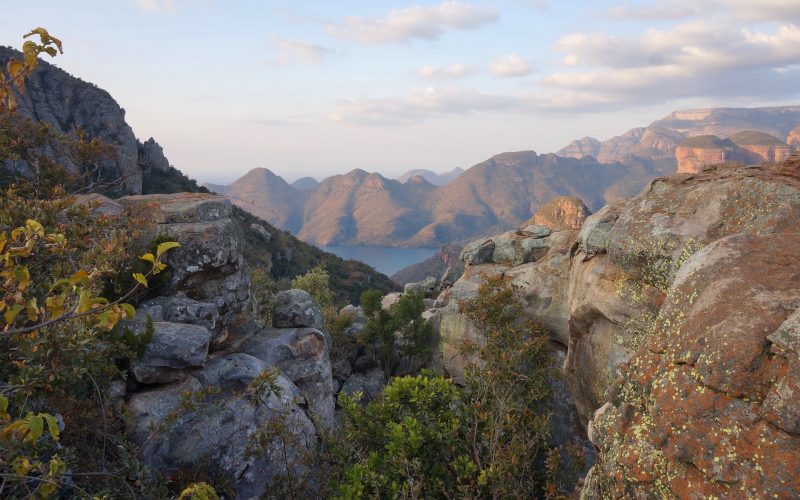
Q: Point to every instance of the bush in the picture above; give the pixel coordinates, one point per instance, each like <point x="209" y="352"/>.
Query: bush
<point x="317" y="283"/>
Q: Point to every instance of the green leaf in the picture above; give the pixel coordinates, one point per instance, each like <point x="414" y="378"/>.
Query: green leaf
<point x="3" y="407"/>
<point x="130" y="312"/>
<point x="11" y="313"/>
<point x="140" y="278"/>
<point x="167" y="245"/>
<point x="52" y="425"/>
<point x="36" y="426"/>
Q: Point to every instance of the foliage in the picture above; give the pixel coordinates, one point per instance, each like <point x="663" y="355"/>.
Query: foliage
<point x="426" y="437"/>
<point x="370" y="301"/>
<point x="13" y="79"/>
<point x="263" y="291"/>
<point x="199" y="491"/>
<point x="316" y="282"/>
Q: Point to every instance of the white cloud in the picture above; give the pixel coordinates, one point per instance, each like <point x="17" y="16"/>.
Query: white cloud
<point x="156" y="5"/>
<point x="694" y="59"/>
<point x="417" y="22"/>
<point x="453" y="71"/>
<point x="289" y="51"/>
<point x="425" y="104"/>
<point x="510" y="65"/>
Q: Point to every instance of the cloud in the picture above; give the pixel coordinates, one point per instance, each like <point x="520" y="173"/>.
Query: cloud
<point x="417" y="22"/>
<point x="156" y="5"/>
<point x="693" y="59"/>
<point x="422" y="105"/>
<point x="289" y="51"/>
<point x="454" y="71"/>
<point x="747" y="10"/>
<point x="510" y="65"/>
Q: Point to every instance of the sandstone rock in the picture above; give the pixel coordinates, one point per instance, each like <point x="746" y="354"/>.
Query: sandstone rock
<point x="704" y="150"/>
<point x="478" y="252"/>
<point x="762" y="147"/>
<point x="302" y="355"/>
<point x="674" y="216"/>
<point x="102" y="205"/>
<point x="793" y="139"/>
<point x="564" y="212"/>
<point x="370" y="385"/>
<point x="174" y="348"/>
<point x="425" y="286"/>
<point x="702" y="408"/>
<point x="535" y="231"/>
<point x="296" y="309"/>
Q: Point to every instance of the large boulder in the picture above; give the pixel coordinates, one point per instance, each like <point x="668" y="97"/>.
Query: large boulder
<point x="296" y="309"/>
<point x="563" y="212"/>
<point x="708" y="406"/>
<point x="178" y="309"/>
<point x="302" y="355"/>
<point x="175" y="348"/>
<point x="369" y="384"/>
<point x="254" y="443"/>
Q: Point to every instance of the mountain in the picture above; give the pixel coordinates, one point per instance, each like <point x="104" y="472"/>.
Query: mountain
<point x="305" y="183"/>
<point x="747" y="147"/>
<point x="432" y="177"/>
<point x="71" y="107"/>
<point x="268" y="196"/>
<point x="216" y="188"/>
<point x="659" y="140"/>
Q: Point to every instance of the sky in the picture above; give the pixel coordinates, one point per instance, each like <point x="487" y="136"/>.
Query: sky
<point x="322" y="87"/>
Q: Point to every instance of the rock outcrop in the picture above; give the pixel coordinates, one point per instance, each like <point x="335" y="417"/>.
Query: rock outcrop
<point x="213" y="392"/>
<point x="762" y="147"/>
<point x="793" y="139"/>
<point x="564" y="212"/>
<point x="747" y="147"/>
<point x="68" y="105"/>
<point x="678" y="313"/>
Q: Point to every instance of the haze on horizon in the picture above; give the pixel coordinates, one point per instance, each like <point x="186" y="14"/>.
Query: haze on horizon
<point x="324" y="87"/>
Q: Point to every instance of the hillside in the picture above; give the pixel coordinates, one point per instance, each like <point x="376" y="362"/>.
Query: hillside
<point x="432" y="177"/>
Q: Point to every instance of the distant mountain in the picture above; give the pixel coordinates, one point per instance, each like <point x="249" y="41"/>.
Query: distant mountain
<point x="305" y="183"/>
<point x="432" y="177"/>
<point x="659" y="140"/>
<point x="216" y="188"/>
<point x="361" y="208"/>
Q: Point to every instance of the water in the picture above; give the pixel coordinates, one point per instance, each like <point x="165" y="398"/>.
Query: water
<point x="387" y="260"/>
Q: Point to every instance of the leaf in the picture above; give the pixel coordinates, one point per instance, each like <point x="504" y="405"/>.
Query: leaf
<point x="33" y="310"/>
<point x="130" y="312"/>
<point x="52" y="425"/>
<point x="35" y="227"/>
<point x="11" y="313"/>
<point x="23" y="277"/>
<point x="21" y="466"/>
<point x="4" y="408"/>
<point x="167" y="245"/>
<point x="148" y="257"/>
<point x="36" y="426"/>
<point x="15" y="67"/>
<point x="81" y="276"/>
<point x="140" y="278"/>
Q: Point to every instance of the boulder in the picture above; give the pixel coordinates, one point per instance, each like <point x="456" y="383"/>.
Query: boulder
<point x="708" y="406"/>
<point x="389" y="300"/>
<point x="369" y="384"/>
<point x="302" y="355"/>
<point x="478" y="252"/>
<point x="174" y="348"/>
<point x="564" y="212"/>
<point x="223" y="436"/>
<point x="179" y="309"/>
<point x="296" y="309"/>
<point x="595" y="234"/>
<point x="425" y="286"/>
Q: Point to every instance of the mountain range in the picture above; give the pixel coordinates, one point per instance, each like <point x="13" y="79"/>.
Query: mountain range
<point x="362" y="208"/>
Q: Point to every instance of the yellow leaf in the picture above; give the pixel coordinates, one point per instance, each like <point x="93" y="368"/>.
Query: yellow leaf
<point x="15" y="67"/>
<point x="36" y="426"/>
<point x="167" y="245"/>
<point x="35" y="227"/>
<point x="130" y="312"/>
<point x="33" y="310"/>
<point x="52" y="425"/>
<point x="81" y="276"/>
<point x="11" y="313"/>
<point x="23" y="277"/>
<point x="21" y="466"/>
<point x="148" y="257"/>
<point x="140" y="278"/>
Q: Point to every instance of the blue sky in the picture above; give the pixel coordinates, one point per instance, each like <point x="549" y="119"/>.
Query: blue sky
<point x="318" y="88"/>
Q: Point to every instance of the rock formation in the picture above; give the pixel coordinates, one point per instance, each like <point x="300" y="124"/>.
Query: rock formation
<point x="762" y="147"/>
<point x="678" y="311"/>
<point x="747" y="147"/>
<point x="564" y="212"/>
<point x="793" y="139"/>
<point x="203" y="373"/>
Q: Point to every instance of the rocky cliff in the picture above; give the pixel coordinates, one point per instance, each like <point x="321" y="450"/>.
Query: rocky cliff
<point x="746" y="147"/>
<point x="677" y="310"/>
<point x="77" y="110"/>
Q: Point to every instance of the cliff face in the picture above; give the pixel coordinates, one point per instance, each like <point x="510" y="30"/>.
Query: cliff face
<point x="678" y="310"/>
<point x="793" y="139"/>
<point x="69" y="105"/>
<point x="748" y="147"/>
